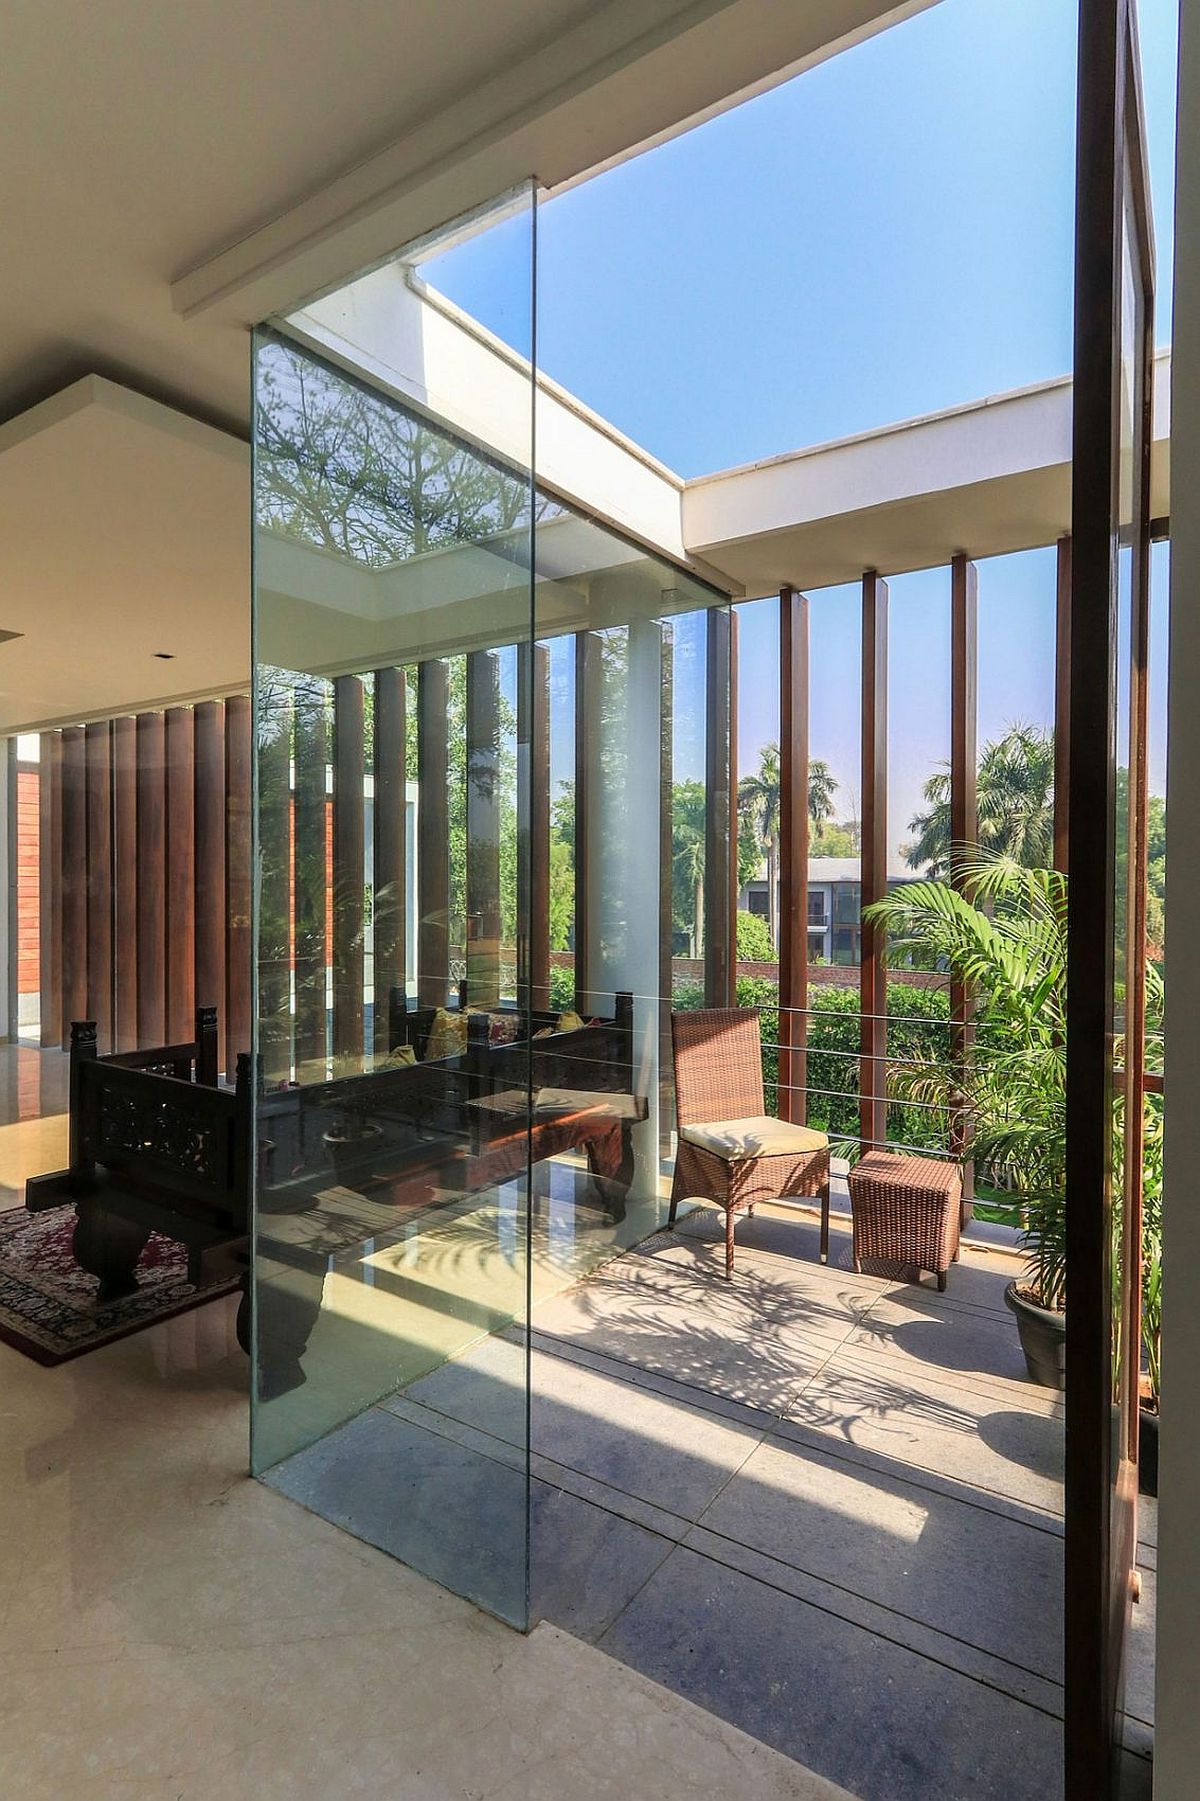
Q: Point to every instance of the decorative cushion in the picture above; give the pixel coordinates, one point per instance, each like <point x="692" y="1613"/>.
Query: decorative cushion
<point x="570" y="1022"/>
<point x="447" y="1035"/>
<point x="402" y="1055"/>
<point x="760" y="1136"/>
<point x="503" y="1028"/>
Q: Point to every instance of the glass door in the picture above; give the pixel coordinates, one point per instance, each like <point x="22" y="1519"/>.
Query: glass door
<point x="393" y="558"/>
<point x="1106" y="996"/>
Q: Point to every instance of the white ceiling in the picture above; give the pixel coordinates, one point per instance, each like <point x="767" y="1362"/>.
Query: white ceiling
<point x="138" y="143"/>
<point x="124" y="530"/>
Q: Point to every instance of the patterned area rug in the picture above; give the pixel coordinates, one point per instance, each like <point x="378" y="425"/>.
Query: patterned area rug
<point x="48" y="1305"/>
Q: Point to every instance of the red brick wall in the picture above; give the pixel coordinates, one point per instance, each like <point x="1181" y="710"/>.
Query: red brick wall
<point x="28" y="977"/>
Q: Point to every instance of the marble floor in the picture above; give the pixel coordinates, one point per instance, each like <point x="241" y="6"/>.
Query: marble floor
<point x="824" y="1506"/>
<point x="33" y="1116"/>
<point x="171" y="1630"/>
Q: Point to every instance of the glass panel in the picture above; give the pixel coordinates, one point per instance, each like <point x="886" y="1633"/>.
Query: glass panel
<point x="394" y="523"/>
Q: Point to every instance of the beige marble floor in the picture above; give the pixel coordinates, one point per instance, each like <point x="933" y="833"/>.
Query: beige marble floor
<point x="170" y="1629"/>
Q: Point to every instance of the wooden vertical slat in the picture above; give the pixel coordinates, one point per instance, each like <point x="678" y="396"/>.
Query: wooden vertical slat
<point x="718" y="953"/>
<point x="964" y="807"/>
<point x="666" y="881"/>
<point x="74" y="880"/>
<point x="1062" y="704"/>
<point x="151" y="878"/>
<point x="125" y="881"/>
<point x="389" y="860"/>
<point x="589" y="675"/>
<point x="433" y="835"/>
<point x="348" y="871"/>
<point x="210" y="856"/>
<point x="311" y="759"/>
<point x="181" y="874"/>
<point x="273" y="950"/>
<point x="539" y="830"/>
<point x="872" y="1106"/>
<point x="99" y="867"/>
<point x="483" y="829"/>
<point x="50" y="888"/>
<point x="239" y="949"/>
<point x="793" y="855"/>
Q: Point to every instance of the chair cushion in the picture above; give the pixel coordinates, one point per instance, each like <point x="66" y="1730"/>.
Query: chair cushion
<point x="761" y="1136"/>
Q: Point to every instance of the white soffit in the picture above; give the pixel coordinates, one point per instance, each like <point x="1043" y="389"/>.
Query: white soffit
<point x="621" y="76"/>
<point x="124" y="530"/>
<point x="986" y="478"/>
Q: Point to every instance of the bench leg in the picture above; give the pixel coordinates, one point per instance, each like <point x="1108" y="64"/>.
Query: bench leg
<point x="108" y="1247"/>
<point x="730" y="1221"/>
<point x="941" y="1282"/>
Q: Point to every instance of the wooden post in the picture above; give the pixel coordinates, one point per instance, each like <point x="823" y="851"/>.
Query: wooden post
<point x="99" y="876"/>
<point x="718" y="824"/>
<point x="793" y="855"/>
<point x="1062" y="705"/>
<point x="389" y="861"/>
<point x="209" y="725"/>
<point x="348" y="872"/>
<point x="310" y="885"/>
<point x="125" y="875"/>
<point x="50" y="938"/>
<point x="433" y="835"/>
<point x="239" y="947"/>
<point x="74" y="880"/>
<point x="483" y="829"/>
<point x="964" y="809"/>
<point x="666" y="882"/>
<point x="588" y="683"/>
<point x="273" y="951"/>
<point x="539" y="828"/>
<point x="872" y="1079"/>
<point x="151" y="878"/>
<point x="181" y="875"/>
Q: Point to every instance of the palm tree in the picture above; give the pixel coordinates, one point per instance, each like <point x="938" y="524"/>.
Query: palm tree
<point x="1009" y="940"/>
<point x="1015" y="799"/>
<point x="758" y="801"/>
<point x="821" y="789"/>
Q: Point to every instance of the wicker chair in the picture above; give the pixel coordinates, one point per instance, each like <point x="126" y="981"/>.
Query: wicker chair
<point x="729" y="1150"/>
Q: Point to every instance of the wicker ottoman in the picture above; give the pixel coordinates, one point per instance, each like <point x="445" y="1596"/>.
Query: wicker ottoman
<point x="906" y="1210"/>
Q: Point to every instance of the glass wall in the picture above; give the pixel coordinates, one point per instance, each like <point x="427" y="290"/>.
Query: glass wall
<point x="493" y="800"/>
<point x="394" y="519"/>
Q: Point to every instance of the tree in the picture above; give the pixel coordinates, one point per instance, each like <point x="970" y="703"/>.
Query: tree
<point x="821" y="789"/>
<point x="688" y="821"/>
<point x="759" y="801"/>
<point x="753" y="939"/>
<point x="1016" y="805"/>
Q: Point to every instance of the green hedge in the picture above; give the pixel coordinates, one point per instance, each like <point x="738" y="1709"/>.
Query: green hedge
<point x="918" y="1031"/>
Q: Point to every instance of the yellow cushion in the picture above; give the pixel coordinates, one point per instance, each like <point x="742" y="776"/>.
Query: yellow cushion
<point x="402" y="1055"/>
<point x="447" y="1035"/>
<point x="570" y="1022"/>
<point x="760" y="1136"/>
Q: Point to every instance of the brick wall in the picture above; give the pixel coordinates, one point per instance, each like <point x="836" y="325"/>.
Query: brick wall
<point x="28" y="977"/>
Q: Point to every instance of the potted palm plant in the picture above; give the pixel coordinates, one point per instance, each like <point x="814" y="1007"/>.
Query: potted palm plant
<point x="1003" y="929"/>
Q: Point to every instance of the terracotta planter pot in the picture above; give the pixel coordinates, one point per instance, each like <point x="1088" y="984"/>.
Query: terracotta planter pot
<point x="1043" y="1337"/>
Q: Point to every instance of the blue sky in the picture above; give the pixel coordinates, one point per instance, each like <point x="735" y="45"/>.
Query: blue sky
<point x="887" y="234"/>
